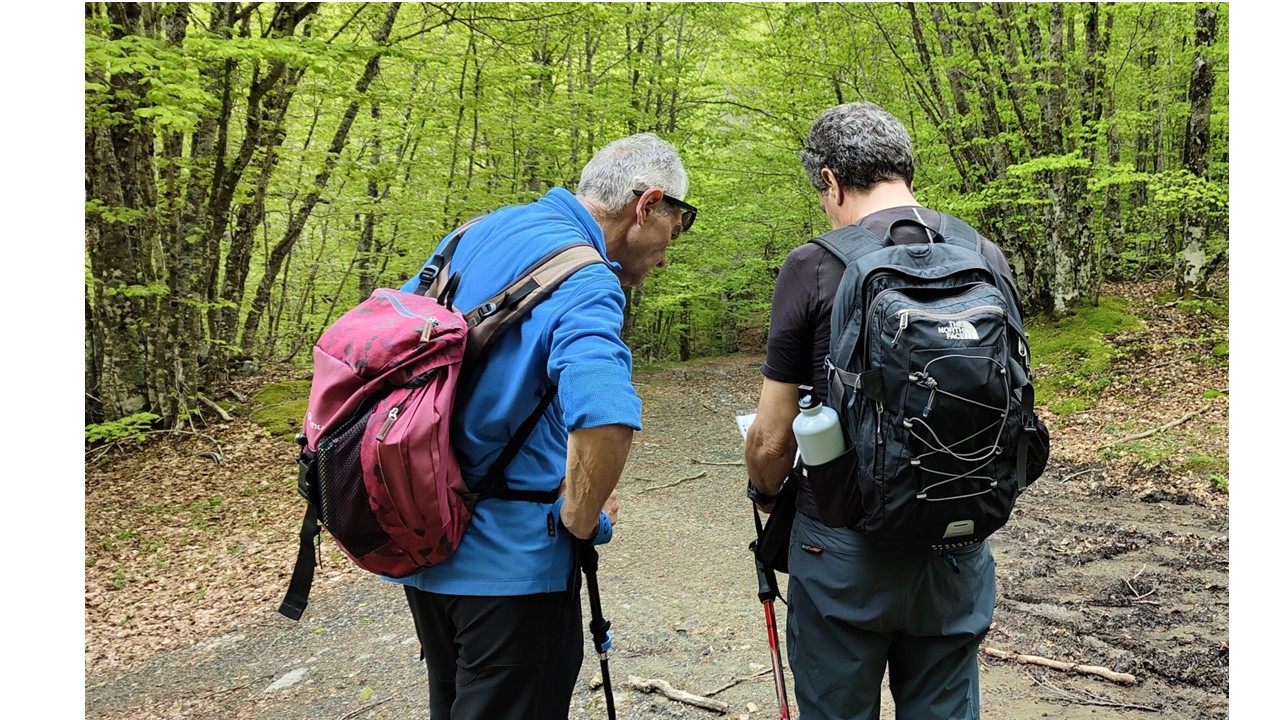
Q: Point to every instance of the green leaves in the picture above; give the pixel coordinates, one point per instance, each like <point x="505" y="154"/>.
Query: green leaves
<point x="134" y="427"/>
<point x="486" y="104"/>
<point x="1049" y="163"/>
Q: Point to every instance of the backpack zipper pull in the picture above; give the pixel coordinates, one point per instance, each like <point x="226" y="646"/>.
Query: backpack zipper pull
<point x="427" y="327"/>
<point x="902" y="325"/>
<point x="951" y="560"/>
<point x="879" y="420"/>
<point x="386" y="424"/>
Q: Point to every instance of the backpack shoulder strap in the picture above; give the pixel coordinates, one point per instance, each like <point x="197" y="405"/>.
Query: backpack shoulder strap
<point x="849" y="242"/>
<point x="495" y="315"/>
<point x="958" y="232"/>
<point x="434" y="280"/>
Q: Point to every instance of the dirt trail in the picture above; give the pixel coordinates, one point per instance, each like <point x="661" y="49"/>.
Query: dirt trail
<point x="1111" y="564"/>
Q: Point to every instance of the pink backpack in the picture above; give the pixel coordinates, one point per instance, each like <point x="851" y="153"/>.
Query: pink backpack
<point x="377" y="467"/>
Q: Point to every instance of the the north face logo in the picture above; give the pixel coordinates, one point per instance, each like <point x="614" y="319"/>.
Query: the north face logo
<point x="959" y="330"/>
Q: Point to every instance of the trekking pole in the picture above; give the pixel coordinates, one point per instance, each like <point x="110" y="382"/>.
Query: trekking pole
<point x="599" y="626"/>
<point x="768" y="592"/>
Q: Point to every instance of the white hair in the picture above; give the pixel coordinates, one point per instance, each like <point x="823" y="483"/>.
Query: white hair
<point x="637" y="162"/>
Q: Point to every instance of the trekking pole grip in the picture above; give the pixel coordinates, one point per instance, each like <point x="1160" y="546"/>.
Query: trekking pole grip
<point x="590" y="560"/>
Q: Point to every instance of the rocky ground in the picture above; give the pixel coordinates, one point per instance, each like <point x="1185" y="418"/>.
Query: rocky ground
<point x="1114" y="565"/>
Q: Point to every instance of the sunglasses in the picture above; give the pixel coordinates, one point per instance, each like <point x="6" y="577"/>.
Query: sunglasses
<point x="687" y="211"/>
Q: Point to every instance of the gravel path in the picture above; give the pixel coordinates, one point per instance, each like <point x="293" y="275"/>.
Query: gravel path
<point x="679" y="587"/>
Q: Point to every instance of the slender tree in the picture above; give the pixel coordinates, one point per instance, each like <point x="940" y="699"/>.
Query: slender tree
<point x="1191" y="270"/>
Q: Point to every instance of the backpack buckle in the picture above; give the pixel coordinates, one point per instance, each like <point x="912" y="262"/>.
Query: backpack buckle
<point x="486" y="310"/>
<point x="307" y="475"/>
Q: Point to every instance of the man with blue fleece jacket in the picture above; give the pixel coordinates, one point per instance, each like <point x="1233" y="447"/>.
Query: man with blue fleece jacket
<point x="500" y="621"/>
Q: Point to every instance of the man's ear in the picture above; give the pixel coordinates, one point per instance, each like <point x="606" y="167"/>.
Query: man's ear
<point x="647" y="203"/>
<point x="834" y="191"/>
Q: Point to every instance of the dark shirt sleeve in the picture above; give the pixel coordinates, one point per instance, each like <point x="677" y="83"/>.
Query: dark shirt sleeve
<point x="800" y="319"/>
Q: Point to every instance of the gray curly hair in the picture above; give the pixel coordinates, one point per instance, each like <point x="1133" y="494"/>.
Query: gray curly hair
<point x="862" y="144"/>
<point x="632" y="163"/>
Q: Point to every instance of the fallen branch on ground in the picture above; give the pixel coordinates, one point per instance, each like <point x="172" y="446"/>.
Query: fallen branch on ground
<point x="226" y="417"/>
<point x="366" y="708"/>
<point x="665" y="688"/>
<point x="1113" y="676"/>
<point x="1078" y="474"/>
<point x="673" y="484"/>
<point x="1160" y="429"/>
<point x="1144" y="368"/>
<point x="696" y="461"/>
<point x="1134" y="590"/>
<point x="737" y="680"/>
<point x="1088" y="698"/>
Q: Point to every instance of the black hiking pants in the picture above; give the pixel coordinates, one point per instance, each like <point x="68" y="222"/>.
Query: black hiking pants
<point x="499" y="658"/>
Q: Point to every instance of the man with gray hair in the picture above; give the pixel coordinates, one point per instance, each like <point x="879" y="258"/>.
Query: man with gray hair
<point x="500" y="621"/>
<point x="855" y="607"/>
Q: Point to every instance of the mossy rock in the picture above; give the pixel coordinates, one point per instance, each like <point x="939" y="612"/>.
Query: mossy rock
<point x="281" y="406"/>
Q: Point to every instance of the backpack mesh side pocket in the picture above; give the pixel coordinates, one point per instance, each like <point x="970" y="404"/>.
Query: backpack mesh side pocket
<point x="344" y="502"/>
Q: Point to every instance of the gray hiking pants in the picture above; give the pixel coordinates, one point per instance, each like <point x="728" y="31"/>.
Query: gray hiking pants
<point x="854" y="609"/>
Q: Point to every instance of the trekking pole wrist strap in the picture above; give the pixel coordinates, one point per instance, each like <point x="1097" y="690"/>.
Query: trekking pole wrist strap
<point x="604" y="526"/>
<point x="764" y="500"/>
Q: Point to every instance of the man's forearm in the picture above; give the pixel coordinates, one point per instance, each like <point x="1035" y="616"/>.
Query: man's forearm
<point x="769" y="457"/>
<point x="594" y="464"/>
<point x="771" y="445"/>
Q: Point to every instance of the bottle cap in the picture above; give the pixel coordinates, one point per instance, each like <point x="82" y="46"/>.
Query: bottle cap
<point x="807" y="402"/>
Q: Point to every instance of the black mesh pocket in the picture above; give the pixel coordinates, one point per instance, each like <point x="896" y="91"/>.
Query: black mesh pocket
<point x="344" y="502"/>
<point x="835" y="490"/>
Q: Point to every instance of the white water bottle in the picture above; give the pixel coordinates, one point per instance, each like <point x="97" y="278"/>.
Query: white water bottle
<point x="818" y="433"/>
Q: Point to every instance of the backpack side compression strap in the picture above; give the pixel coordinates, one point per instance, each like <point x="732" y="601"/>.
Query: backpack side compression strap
<point x="304" y="569"/>
<point x="494" y="483"/>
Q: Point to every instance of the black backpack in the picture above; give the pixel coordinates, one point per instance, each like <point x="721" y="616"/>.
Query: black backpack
<point x="929" y="371"/>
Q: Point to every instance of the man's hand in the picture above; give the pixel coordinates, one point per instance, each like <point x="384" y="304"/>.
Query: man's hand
<point x="612" y="506"/>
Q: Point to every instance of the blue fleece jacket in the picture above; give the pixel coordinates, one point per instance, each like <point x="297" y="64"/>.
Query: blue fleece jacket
<point x="572" y="339"/>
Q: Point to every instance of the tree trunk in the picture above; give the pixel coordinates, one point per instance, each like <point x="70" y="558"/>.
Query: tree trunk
<point x="1190" y="267"/>
<point x="1112" y="211"/>
<point x="1069" y="248"/>
<point x="364" y="249"/>
<point x="130" y="323"/>
<point x="298" y="222"/>
<point x="190" y="244"/>
<point x="270" y="95"/>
